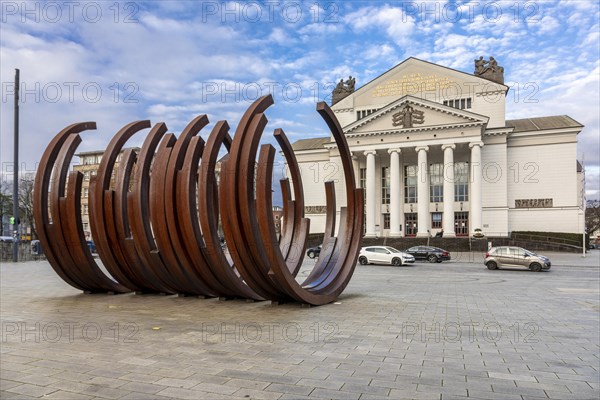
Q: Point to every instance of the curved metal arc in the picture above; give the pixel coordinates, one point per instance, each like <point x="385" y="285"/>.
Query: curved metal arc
<point x="41" y="194"/>
<point x="208" y="207"/>
<point x="299" y="238"/>
<point x="101" y="207"/>
<point x="138" y="210"/>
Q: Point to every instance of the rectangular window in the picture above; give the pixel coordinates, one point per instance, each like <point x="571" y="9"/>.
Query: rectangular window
<point x="461" y="181"/>
<point x="386" y="221"/>
<point x="362" y="182"/>
<point x="85" y="209"/>
<point x="357" y="115"/>
<point x="436" y="183"/>
<point x="385" y="185"/>
<point x="459" y="103"/>
<point x="410" y="183"/>
<point x="436" y="220"/>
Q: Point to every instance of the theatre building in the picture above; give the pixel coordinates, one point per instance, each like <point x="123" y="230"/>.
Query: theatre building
<point x="433" y="150"/>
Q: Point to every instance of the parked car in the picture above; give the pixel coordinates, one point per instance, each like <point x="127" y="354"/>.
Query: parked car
<point x="36" y="248"/>
<point x="429" y="253"/>
<point x="384" y="255"/>
<point x="91" y="246"/>
<point x="513" y="257"/>
<point x="7" y="239"/>
<point x="313" y="251"/>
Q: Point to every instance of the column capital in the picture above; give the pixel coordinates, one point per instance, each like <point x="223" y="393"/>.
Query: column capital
<point x="419" y="148"/>
<point x="354" y="155"/>
<point x="390" y="151"/>
<point x="473" y="144"/>
<point x="370" y="152"/>
<point x="448" y="146"/>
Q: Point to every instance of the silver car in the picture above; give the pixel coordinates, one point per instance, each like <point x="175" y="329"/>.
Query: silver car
<point x="384" y="255"/>
<point x="515" y="257"/>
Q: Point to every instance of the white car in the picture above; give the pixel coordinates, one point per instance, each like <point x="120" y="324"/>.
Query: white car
<point x="384" y="255"/>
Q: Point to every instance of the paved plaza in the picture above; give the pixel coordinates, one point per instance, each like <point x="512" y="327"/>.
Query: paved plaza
<point x="430" y="331"/>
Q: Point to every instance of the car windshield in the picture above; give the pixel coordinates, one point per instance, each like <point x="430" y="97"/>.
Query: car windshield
<point x="393" y="250"/>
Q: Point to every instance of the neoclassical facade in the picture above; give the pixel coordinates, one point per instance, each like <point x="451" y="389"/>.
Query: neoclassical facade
<point x="434" y="152"/>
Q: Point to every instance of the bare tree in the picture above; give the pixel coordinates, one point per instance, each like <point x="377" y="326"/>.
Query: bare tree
<point x="5" y="203"/>
<point x="592" y="216"/>
<point x="26" y="203"/>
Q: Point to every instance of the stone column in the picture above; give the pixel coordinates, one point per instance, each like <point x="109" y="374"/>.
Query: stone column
<point x="356" y="168"/>
<point x="475" y="219"/>
<point x="422" y="192"/>
<point x="395" y="193"/>
<point x="370" y="194"/>
<point x="448" y="217"/>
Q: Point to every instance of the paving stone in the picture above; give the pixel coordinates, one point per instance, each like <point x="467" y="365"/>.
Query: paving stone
<point x="246" y="383"/>
<point x="371" y="352"/>
<point x="334" y="394"/>
<point x="289" y="389"/>
<point x="142" y="387"/>
<point x="31" y="390"/>
<point x="62" y="395"/>
<point x="6" y="384"/>
<point x="180" y="383"/>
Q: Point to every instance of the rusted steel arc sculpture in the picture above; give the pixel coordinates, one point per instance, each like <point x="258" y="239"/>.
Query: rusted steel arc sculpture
<point x="156" y="225"/>
<point x="208" y="206"/>
<point x="138" y="212"/>
<point x="78" y="267"/>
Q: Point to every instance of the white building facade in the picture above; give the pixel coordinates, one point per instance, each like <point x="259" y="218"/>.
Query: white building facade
<point x="434" y="152"/>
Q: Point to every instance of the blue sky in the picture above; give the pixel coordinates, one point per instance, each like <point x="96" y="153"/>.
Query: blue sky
<point x="169" y="61"/>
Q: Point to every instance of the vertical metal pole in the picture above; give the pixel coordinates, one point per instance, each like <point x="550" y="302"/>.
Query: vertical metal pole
<point x="583" y="205"/>
<point x="16" y="173"/>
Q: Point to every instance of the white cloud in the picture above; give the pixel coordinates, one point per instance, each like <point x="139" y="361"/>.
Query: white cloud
<point x="393" y="20"/>
<point x="548" y="24"/>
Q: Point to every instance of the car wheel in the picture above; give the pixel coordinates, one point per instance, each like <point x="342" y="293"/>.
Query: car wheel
<point x="432" y="258"/>
<point x="363" y="260"/>
<point x="535" y="267"/>
<point x="397" y="262"/>
<point x="492" y="265"/>
<point x="311" y="254"/>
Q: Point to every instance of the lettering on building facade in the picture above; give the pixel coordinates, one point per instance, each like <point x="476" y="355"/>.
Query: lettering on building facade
<point x="411" y="84"/>
<point x="315" y="209"/>
<point x="533" y="203"/>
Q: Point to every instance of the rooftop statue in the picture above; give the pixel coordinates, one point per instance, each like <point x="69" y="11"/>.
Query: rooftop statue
<point x="489" y="69"/>
<point x="343" y="89"/>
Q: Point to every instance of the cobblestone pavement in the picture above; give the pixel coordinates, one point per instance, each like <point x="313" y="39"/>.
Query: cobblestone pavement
<point x="430" y="331"/>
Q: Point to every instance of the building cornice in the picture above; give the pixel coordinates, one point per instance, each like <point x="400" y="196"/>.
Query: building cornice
<point x="398" y="103"/>
<point x="412" y="130"/>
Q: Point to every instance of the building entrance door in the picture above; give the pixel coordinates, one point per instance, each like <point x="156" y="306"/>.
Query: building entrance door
<point x="410" y="221"/>
<point x="461" y="223"/>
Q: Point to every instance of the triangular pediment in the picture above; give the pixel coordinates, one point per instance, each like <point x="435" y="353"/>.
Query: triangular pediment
<point x="413" y="114"/>
<point x="417" y="78"/>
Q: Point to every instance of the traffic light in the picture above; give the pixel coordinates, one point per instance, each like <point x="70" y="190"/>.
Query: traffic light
<point x="12" y="220"/>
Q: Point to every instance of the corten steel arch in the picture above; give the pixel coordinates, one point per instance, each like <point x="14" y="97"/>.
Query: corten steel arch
<point x="61" y="234"/>
<point x="156" y="225"/>
<point x="257" y="251"/>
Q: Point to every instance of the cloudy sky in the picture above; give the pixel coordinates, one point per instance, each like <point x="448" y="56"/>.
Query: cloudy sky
<point x="169" y="61"/>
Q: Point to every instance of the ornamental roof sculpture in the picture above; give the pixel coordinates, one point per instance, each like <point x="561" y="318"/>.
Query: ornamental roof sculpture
<point x="489" y="69"/>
